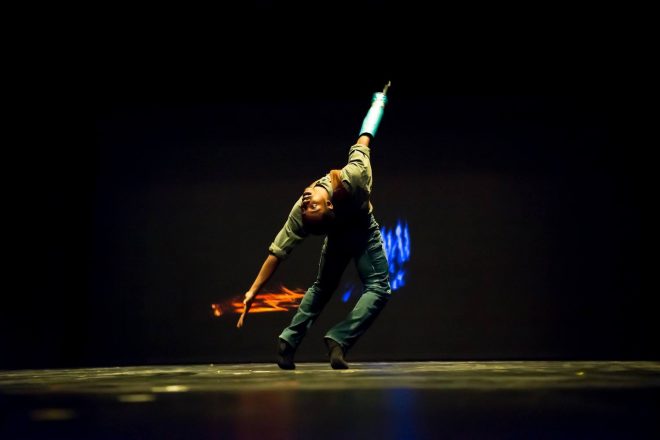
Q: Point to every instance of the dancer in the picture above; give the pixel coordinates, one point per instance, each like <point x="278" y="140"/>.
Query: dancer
<point x="337" y="206"/>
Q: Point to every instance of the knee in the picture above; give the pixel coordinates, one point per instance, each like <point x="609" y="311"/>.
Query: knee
<point x="381" y="289"/>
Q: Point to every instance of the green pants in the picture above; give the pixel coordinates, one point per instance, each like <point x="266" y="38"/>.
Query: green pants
<point x="364" y="244"/>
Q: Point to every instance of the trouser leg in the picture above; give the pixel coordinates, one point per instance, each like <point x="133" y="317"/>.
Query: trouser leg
<point x="372" y="266"/>
<point x="332" y="264"/>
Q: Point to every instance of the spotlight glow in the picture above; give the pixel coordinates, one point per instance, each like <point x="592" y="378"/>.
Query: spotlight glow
<point x="397" y="248"/>
<point x="281" y="300"/>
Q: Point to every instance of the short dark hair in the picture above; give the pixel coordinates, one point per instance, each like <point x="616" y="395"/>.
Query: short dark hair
<point x="316" y="225"/>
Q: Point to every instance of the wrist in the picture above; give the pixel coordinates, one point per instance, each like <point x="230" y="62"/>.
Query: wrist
<point x="364" y="139"/>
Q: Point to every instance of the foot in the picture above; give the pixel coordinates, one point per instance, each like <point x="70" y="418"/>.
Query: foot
<point x="336" y="354"/>
<point x="285" y="354"/>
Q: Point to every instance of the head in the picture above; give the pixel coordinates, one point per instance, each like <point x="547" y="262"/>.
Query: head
<point x="317" y="210"/>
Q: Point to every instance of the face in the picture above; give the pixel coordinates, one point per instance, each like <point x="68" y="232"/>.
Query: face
<point x="315" y="201"/>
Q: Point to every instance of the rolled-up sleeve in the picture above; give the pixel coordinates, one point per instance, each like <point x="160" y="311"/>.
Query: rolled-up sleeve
<point x="356" y="175"/>
<point x="291" y="234"/>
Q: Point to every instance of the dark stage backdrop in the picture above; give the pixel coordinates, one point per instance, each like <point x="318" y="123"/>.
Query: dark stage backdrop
<point x="523" y="212"/>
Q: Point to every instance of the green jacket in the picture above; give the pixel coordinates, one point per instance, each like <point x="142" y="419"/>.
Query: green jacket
<point x="356" y="179"/>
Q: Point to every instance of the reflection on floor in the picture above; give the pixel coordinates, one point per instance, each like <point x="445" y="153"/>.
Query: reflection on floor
<point x="393" y="400"/>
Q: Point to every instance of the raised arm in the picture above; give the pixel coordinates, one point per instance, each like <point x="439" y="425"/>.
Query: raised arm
<point x="357" y="175"/>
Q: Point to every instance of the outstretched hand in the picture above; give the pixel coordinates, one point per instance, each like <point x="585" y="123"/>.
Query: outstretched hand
<point x="247" y="303"/>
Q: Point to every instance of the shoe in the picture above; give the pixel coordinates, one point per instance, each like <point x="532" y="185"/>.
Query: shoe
<point x="336" y="354"/>
<point x="285" y="354"/>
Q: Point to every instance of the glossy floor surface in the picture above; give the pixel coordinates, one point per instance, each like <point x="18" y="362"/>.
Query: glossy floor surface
<point x="393" y="400"/>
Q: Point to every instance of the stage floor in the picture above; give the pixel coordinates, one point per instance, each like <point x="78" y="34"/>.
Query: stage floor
<point x="372" y="400"/>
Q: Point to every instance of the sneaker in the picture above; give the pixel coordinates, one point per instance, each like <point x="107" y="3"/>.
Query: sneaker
<point x="336" y="354"/>
<point x="285" y="354"/>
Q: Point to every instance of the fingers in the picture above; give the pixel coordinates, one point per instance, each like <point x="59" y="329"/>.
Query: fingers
<point x="307" y="196"/>
<point x="247" y="302"/>
<point x="305" y="202"/>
